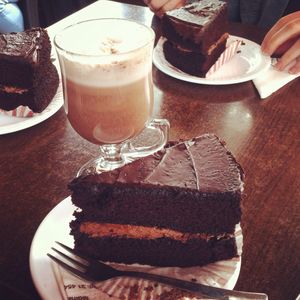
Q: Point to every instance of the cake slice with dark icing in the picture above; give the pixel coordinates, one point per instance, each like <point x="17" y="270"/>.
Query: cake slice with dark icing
<point x="196" y="35"/>
<point x="176" y="207"/>
<point x="27" y="75"/>
<point x="198" y="25"/>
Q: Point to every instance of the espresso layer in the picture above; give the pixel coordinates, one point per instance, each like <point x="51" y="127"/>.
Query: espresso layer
<point x="142" y="232"/>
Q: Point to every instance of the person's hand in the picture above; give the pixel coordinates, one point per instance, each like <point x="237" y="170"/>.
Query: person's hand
<point x="283" y="40"/>
<point x="159" y="7"/>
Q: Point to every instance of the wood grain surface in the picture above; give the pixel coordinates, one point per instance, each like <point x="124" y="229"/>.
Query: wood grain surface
<point x="37" y="163"/>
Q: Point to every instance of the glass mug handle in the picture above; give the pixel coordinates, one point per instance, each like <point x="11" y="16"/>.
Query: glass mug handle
<point x="152" y="139"/>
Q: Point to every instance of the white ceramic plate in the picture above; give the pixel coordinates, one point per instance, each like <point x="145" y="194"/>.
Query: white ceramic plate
<point x="243" y="66"/>
<point x="55" y="227"/>
<point x="9" y="124"/>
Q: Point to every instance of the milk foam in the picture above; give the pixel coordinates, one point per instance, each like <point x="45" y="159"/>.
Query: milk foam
<point x="105" y="52"/>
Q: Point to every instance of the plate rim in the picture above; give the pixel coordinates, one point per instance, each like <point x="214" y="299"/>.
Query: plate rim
<point x="55" y="104"/>
<point x="266" y="62"/>
<point x="32" y="263"/>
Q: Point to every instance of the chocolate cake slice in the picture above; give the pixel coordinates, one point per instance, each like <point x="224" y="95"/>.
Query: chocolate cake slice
<point x="177" y="207"/>
<point x="191" y="62"/>
<point x="27" y="75"/>
<point x="196" y="35"/>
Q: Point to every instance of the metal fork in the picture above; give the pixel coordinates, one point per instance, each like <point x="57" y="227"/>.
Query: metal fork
<point x="93" y="270"/>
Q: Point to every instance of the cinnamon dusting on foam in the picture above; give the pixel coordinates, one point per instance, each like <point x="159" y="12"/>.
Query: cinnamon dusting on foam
<point x="111" y="54"/>
<point x="142" y="232"/>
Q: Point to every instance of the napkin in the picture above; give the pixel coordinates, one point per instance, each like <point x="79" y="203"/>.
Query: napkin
<point x="272" y="80"/>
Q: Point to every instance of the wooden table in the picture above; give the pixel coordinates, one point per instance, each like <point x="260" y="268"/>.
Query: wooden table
<point x="37" y="163"/>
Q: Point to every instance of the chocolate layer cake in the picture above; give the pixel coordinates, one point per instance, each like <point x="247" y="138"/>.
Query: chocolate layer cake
<point x="27" y="76"/>
<point x="177" y="207"/>
<point x="196" y="34"/>
<point x="192" y="62"/>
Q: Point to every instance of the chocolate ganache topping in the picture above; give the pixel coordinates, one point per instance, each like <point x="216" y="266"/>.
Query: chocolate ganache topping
<point x="21" y="44"/>
<point x="202" y="164"/>
<point x="197" y="12"/>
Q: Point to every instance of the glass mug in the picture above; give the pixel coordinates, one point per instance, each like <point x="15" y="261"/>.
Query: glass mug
<point x="106" y="68"/>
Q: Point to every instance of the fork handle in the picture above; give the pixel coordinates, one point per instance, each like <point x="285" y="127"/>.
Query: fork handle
<point x="198" y="288"/>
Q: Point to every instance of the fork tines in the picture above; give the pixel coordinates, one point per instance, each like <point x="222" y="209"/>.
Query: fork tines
<point x="80" y="272"/>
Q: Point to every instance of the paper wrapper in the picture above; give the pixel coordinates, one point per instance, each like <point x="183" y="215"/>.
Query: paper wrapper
<point x="219" y="274"/>
<point x="21" y="112"/>
<point x="229" y="52"/>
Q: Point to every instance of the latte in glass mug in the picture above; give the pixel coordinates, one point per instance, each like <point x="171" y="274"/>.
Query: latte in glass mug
<point x="107" y="76"/>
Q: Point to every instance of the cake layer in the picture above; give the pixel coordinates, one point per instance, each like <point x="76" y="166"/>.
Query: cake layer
<point x="36" y="97"/>
<point x="101" y="230"/>
<point x="192" y="62"/>
<point x="197" y="25"/>
<point x="192" y="187"/>
<point x="156" y="252"/>
<point x="133" y="206"/>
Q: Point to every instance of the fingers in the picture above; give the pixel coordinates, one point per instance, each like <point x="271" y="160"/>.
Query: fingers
<point x="155" y="5"/>
<point x="295" y="69"/>
<point x="285" y="29"/>
<point x="159" y="7"/>
<point x="290" y="56"/>
<point x="284" y="40"/>
<point x="280" y="24"/>
<point x="172" y="4"/>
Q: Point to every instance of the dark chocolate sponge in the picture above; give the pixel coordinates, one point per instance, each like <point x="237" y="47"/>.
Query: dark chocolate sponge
<point x="27" y="76"/>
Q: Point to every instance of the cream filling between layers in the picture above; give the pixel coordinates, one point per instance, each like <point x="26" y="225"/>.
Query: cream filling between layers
<point x="142" y="232"/>
<point x="13" y="89"/>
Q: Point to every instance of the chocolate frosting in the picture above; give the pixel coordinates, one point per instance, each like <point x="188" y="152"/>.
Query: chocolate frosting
<point x="197" y="12"/>
<point x="21" y="44"/>
<point x="202" y="164"/>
